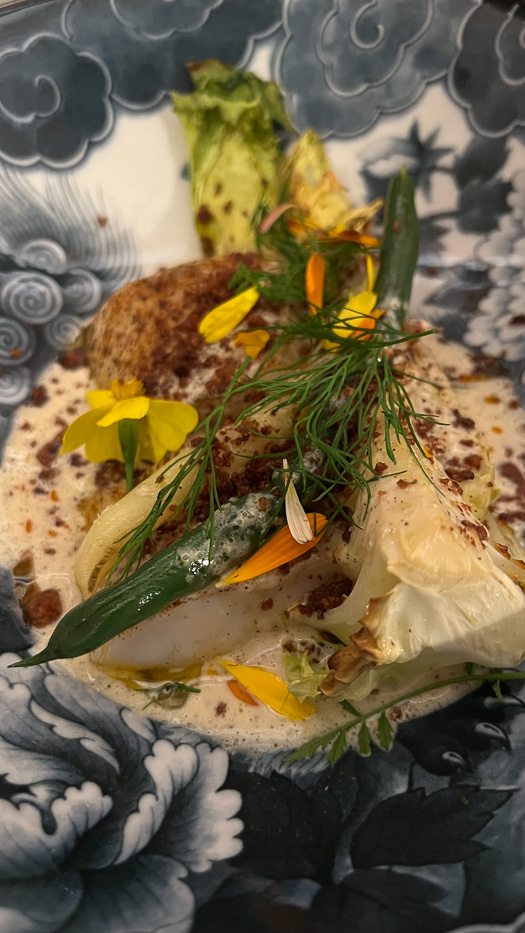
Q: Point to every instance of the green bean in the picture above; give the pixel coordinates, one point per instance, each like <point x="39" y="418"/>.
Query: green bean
<point x="400" y="248"/>
<point x="183" y="568"/>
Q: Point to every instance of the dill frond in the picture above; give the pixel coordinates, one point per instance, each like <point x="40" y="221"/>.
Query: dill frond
<point x="337" y="396"/>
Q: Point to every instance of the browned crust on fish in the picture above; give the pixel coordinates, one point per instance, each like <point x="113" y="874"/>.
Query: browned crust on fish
<point x="149" y="330"/>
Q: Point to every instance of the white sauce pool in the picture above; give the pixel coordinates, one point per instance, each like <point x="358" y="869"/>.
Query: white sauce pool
<point x="41" y="516"/>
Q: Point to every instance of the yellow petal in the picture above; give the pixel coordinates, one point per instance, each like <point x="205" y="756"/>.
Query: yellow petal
<point x="219" y="322"/>
<point x="270" y="689"/>
<point x="171" y="422"/>
<point x="134" y="408"/>
<point x="99" y="398"/>
<point x="80" y="429"/>
<point x="253" y="341"/>
<point x="277" y="551"/>
<point x="369" y="272"/>
<point x="103" y="444"/>
<point x="149" y="447"/>
<point x="295" y="514"/>
<point x="358" y="315"/>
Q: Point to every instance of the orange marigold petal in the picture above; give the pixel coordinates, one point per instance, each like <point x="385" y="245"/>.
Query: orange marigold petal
<point x="314" y="282"/>
<point x="253" y="341"/>
<point x="241" y="693"/>
<point x="277" y="551"/>
<point x="351" y="236"/>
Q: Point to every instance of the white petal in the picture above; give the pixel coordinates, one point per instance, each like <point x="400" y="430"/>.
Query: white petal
<point x="295" y="514"/>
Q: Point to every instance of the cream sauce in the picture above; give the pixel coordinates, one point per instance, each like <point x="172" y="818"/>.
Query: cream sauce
<point x="40" y="514"/>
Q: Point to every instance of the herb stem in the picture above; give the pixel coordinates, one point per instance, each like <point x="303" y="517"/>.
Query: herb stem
<point x="321" y="742"/>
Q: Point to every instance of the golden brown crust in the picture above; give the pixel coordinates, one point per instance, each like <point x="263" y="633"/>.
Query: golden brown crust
<point x="149" y="330"/>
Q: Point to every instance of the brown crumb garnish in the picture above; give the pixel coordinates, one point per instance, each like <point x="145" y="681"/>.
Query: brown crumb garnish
<point x="48" y="453"/>
<point x="473" y="461"/>
<point x="461" y="422"/>
<point x="403" y="483"/>
<point x="267" y="604"/>
<point x="109" y="473"/>
<point x="47" y="475"/>
<point x="39" y="396"/>
<point x="221" y="708"/>
<point x="77" y="460"/>
<point x="74" y="359"/>
<point x="380" y="468"/>
<point x="325" y="597"/>
<point x="42" y="608"/>
<point x="478" y="528"/>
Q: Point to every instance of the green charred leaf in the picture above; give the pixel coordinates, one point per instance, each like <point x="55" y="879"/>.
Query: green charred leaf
<point x="234" y="153"/>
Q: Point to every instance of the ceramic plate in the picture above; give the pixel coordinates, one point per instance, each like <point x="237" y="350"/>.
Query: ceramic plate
<point x="109" y="820"/>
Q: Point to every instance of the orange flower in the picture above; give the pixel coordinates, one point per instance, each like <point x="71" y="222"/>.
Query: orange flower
<point x="302" y="228"/>
<point x="350" y="236"/>
<point x="241" y="693"/>
<point x="253" y="341"/>
<point x="314" y="282"/>
<point x="277" y="551"/>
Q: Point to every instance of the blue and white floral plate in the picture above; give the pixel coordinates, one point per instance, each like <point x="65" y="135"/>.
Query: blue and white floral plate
<point x="111" y="821"/>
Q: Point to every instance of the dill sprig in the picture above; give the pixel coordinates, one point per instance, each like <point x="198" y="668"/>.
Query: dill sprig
<point x="335" y="740"/>
<point x="199" y="462"/>
<point x="337" y="397"/>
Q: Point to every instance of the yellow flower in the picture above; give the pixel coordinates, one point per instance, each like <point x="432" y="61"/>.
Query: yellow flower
<point x="271" y="689"/>
<point x="360" y="313"/>
<point x="253" y="341"/>
<point x="220" y="321"/>
<point x="163" y="425"/>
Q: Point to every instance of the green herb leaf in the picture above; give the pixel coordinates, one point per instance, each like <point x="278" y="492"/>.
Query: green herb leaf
<point x="349" y="708"/>
<point x="338" y="748"/>
<point x="364" y="741"/>
<point x="385" y="733"/>
<point x="318" y="743"/>
<point x="336" y="424"/>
